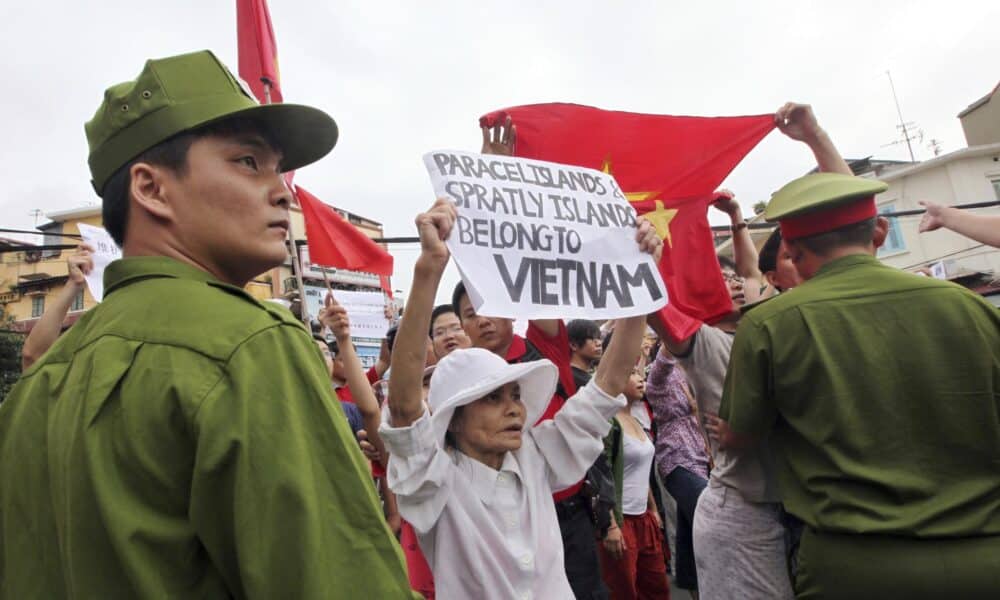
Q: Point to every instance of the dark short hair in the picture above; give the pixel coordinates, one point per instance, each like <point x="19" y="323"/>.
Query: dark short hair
<point x="581" y="330"/>
<point x="390" y="337"/>
<point x="315" y="326"/>
<point x="456" y="297"/>
<point x="855" y="234"/>
<point x="172" y="154"/>
<point x="767" y="260"/>
<point x="331" y="345"/>
<point x="607" y="339"/>
<point x="727" y="263"/>
<point x="441" y="309"/>
<point x="322" y="339"/>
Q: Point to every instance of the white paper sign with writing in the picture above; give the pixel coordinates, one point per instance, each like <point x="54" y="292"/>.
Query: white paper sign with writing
<point x="366" y="310"/>
<point x="105" y="251"/>
<point x="541" y="240"/>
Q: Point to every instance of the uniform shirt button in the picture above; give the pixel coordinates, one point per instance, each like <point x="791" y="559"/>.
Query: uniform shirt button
<point x="526" y="560"/>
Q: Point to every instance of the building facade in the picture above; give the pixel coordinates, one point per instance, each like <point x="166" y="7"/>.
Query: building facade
<point x="967" y="176"/>
<point x="981" y="120"/>
<point x="29" y="277"/>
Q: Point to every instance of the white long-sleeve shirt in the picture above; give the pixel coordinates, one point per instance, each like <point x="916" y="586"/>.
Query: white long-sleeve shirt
<point x="494" y="534"/>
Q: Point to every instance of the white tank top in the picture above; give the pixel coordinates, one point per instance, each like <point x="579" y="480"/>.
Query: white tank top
<point x="638" y="455"/>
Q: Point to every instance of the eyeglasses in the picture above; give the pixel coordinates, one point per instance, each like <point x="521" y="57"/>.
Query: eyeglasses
<point x="455" y="328"/>
<point x="731" y="276"/>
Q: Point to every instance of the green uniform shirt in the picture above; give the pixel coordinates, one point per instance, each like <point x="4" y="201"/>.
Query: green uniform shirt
<point x="182" y="440"/>
<point x="880" y="390"/>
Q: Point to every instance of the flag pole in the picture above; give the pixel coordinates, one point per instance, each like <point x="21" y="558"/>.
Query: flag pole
<point x="296" y="267"/>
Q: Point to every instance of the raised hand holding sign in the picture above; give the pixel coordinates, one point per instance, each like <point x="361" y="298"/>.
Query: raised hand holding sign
<point x="541" y="240"/>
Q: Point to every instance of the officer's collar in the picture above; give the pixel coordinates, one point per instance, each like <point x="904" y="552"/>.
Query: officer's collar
<point x="126" y="271"/>
<point x="845" y="262"/>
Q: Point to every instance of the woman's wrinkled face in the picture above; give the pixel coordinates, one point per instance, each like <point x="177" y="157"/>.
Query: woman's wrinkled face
<point x="492" y="425"/>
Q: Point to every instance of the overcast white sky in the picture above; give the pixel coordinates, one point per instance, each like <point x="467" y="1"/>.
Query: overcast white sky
<point x="402" y="78"/>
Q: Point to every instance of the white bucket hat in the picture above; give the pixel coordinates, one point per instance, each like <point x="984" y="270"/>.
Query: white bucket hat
<point x="465" y="376"/>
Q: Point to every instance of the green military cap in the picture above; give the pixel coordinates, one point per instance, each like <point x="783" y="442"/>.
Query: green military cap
<point x="179" y="93"/>
<point x="822" y="202"/>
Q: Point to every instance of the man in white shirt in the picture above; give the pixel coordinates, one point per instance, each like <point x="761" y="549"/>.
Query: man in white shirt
<point x="474" y="482"/>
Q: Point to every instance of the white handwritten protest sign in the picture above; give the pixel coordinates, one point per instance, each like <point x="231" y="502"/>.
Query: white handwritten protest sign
<point x="105" y="251"/>
<point x="366" y="310"/>
<point x="541" y="240"/>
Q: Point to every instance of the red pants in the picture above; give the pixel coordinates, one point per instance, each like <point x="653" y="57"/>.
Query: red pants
<point x="641" y="572"/>
<point x="421" y="579"/>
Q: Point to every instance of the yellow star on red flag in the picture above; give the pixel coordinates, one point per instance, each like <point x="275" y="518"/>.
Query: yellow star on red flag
<point x="660" y="217"/>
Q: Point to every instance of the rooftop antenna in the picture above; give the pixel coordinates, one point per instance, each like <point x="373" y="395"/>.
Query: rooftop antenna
<point x="35" y="213"/>
<point x="903" y="125"/>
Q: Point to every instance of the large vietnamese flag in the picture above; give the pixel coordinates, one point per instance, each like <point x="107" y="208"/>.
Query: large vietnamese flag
<point x="668" y="167"/>
<point x="258" y="50"/>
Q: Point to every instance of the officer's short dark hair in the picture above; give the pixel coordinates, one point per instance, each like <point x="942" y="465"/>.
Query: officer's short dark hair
<point x="855" y="234"/>
<point x="441" y="309"/>
<point x="172" y="154"/>
<point x="767" y="260"/>
<point x="581" y="330"/>
<point x="456" y="297"/>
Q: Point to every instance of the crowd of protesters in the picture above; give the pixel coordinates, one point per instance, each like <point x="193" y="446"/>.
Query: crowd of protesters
<point x="836" y="435"/>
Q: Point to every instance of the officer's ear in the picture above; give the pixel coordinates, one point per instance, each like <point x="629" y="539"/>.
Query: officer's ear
<point x="150" y="186"/>
<point x="881" y="231"/>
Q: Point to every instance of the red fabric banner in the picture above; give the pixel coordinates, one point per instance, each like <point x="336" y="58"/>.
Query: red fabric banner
<point x="668" y="166"/>
<point x="334" y="242"/>
<point x="258" y="50"/>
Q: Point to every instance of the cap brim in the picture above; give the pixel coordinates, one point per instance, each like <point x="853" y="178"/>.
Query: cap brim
<point x="303" y="134"/>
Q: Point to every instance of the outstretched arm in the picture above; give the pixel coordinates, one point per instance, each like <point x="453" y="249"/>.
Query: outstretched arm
<point x="410" y="349"/>
<point x="798" y="122"/>
<point x="46" y="331"/>
<point x="620" y="356"/>
<point x="744" y="252"/>
<point x="500" y="140"/>
<point x="334" y="316"/>
<point x="984" y="229"/>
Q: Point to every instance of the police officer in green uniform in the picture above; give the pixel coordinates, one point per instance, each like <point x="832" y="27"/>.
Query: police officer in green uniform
<point x="182" y="439"/>
<point x="879" y="391"/>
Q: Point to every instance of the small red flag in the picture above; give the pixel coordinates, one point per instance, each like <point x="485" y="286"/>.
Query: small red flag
<point x="668" y="167"/>
<point x="383" y="281"/>
<point x="258" y="50"/>
<point x="334" y="242"/>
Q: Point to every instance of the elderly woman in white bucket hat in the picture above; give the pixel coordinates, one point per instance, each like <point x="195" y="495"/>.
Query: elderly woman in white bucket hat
<point x="475" y="475"/>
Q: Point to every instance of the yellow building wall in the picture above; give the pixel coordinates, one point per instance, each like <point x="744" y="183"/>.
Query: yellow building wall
<point x="15" y="265"/>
